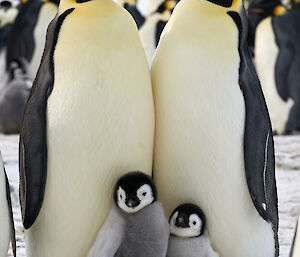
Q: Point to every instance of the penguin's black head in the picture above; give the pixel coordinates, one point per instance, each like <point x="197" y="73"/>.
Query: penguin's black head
<point x="134" y="191"/>
<point x="187" y="220"/>
<point x="5" y="5"/>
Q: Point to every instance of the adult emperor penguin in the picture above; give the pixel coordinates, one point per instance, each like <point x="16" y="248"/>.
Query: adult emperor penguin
<point x="189" y="236"/>
<point x="28" y="35"/>
<point x="150" y="32"/>
<point x="287" y="77"/>
<point x="7" y="232"/>
<point x="103" y="95"/>
<point x="295" y="249"/>
<point x="137" y="227"/>
<point x="257" y="11"/>
<point x="213" y="138"/>
<point x="267" y="55"/>
<point x="132" y="7"/>
<point x="8" y="12"/>
<point x="14" y="96"/>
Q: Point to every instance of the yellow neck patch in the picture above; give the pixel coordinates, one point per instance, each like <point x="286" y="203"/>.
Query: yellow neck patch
<point x="279" y="10"/>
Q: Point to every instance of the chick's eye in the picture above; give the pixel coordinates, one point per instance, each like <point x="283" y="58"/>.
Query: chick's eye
<point x="144" y="193"/>
<point x="121" y="197"/>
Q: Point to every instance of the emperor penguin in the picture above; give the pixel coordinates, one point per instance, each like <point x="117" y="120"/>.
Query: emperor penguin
<point x="150" y="32"/>
<point x="189" y="236"/>
<point x="14" y="96"/>
<point x="7" y="232"/>
<point x="8" y="13"/>
<point x="89" y="117"/>
<point x="295" y="249"/>
<point x="213" y="137"/>
<point x="132" y="7"/>
<point x="257" y="11"/>
<point x="136" y="225"/>
<point x="287" y="77"/>
<point x="267" y="57"/>
<point x="27" y="39"/>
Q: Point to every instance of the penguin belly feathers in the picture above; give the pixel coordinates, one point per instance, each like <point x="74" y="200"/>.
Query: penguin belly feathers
<point x="266" y="54"/>
<point x="7" y="232"/>
<point x="213" y="138"/>
<point x="97" y="120"/>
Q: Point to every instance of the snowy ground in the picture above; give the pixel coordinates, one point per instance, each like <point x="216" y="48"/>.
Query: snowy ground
<point x="288" y="183"/>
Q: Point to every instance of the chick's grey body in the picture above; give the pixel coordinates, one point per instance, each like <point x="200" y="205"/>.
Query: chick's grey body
<point x="13" y="97"/>
<point x="190" y="247"/>
<point x="146" y="233"/>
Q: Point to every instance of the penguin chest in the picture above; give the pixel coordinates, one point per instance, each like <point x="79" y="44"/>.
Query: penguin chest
<point x="4" y="217"/>
<point x="100" y="125"/>
<point x="200" y="123"/>
<point x="266" y="53"/>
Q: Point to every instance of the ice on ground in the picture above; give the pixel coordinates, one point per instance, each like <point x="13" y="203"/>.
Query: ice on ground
<point x="287" y="154"/>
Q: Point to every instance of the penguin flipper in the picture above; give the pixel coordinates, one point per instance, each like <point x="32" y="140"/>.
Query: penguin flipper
<point x="33" y="137"/>
<point x="12" y="225"/>
<point x="284" y="59"/>
<point x="296" y="238"/>
<point x="110" y="235"/>
<point x="283" y="63"/>
<point x="159" y="29"/>
<point x="258" y="138"/>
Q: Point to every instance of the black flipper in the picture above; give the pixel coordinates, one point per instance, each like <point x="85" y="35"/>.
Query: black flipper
<point x="159" y="29"/>
<point x="285" y="58"/>
<point x="12" y="225"/>
<point x="135" y="13"/>
<point x="258" y="138"/>
<point x="21" y="39"/>
<point x="294" y="240"/>
<point x="33" y="141"/>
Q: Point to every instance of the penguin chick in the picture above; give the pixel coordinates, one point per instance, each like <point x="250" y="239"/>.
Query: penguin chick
<point x="136" y="222"/>
<point x="14" y="96"/>
<point x="189" y="237"/>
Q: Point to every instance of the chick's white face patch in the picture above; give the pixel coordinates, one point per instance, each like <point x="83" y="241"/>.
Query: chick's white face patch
<point x="194" y="229"/>
<point x="144" y="194"/>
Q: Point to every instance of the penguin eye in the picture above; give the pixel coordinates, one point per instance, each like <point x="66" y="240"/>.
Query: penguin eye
<point x="195" y="221"/>
<point x="144" y="192"/>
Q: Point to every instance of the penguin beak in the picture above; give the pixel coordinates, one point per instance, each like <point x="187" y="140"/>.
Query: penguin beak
<point x="182" y="222"/>
<point x="224" y="3"/>
<point x="132" y="203"/>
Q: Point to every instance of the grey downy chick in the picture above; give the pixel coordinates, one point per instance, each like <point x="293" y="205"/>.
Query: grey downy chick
<point x="14" y="96"/>
<point x="136" y="225"/>
<point x="189" y="236"/>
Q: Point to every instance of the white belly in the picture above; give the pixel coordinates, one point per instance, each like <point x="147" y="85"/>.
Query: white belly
<point x="199" y="137"/>
<point x="266" y="52"/>
<point x="100" y="125"/>
<point x="4" y="217"/>
<point x="46" y="15"/>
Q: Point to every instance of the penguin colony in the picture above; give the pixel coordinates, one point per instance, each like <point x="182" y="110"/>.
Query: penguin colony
<point x="196" y="124"/>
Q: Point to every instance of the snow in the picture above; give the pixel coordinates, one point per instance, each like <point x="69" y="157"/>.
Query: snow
<point x="287" y="154"/>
